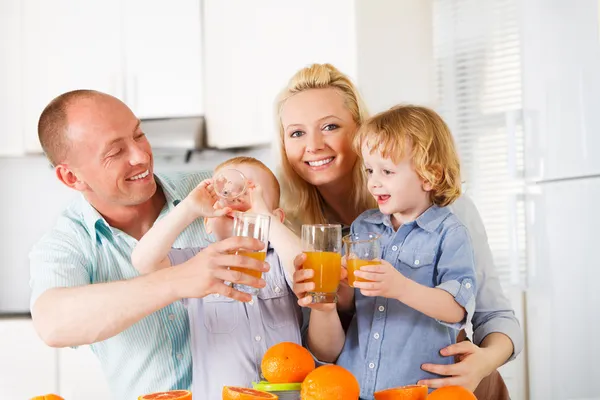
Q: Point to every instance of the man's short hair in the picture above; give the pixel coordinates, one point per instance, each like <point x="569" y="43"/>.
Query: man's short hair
<point x="53" y="124"/>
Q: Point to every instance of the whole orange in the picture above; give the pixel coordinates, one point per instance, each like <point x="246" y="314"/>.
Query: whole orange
<point x="410" y="392"/>
<point x="330" y="382"/>
<point x="287" y="362"/>
<point x="452" y="393"/>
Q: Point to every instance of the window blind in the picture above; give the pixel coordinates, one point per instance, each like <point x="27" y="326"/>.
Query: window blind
<point x="478" y="78"/>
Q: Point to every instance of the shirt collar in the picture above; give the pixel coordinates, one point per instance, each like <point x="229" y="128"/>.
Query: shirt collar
<point x="95" y="222"/>
<point x="430" y="220"/>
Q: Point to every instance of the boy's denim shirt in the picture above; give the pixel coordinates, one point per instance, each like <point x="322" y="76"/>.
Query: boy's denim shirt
<point x="387" y="340"/>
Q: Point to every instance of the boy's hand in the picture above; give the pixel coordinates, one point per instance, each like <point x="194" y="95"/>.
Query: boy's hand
<point x="202" y="199"/>
<point x="257" y="200"/>
<point x="301" y="287"/>
<point x="345" y="291"/>
<point x="384" y="280"/>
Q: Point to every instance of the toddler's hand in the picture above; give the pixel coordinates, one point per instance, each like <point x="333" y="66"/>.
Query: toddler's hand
<point x="202" y="200"/>
<point x="257" y="200"/>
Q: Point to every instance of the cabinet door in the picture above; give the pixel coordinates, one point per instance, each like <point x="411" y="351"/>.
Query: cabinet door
<point x="67" y="45"/>
<point x="251" y="51"/>
<point x="28" y="366"/>
<point x="561" y="88"/>
<point x="81" y="377"/>
<point x="11" y="134"/>
<point x="163" y="58"/>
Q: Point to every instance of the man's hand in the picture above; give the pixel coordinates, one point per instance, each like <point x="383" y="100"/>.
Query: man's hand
<point x="207" y="272"/>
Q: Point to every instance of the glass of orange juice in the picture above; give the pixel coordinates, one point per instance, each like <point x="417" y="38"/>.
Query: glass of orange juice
<point x="361" y="249"/>
<point x="255" y="226"/>
<point x="322" y="245"/>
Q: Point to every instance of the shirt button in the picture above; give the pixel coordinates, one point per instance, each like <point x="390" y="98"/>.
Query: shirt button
<point x="277" y="289"/>
<point x="251" y="302"/>
<point x="171" y="317"/>
<point x="376" y="336"/>
<point x="394" y="248"/>
<point x="381" y="308"/>
<point x="179" y="356"/>
<point x="417" y="262"/>
<point x="371" y="365"/>
<point x="257" y="338"/>
<point x="468" y="285"/>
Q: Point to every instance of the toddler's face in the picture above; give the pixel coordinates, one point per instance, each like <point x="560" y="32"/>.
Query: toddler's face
<point x="222" y="227"/>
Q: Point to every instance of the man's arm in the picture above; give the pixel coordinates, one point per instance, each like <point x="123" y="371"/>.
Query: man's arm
<point x="88" y="313"/>
<point x="73" y="316"/>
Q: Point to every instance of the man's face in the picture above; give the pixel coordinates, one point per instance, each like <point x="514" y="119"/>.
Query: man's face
<point x="109" y="154"/>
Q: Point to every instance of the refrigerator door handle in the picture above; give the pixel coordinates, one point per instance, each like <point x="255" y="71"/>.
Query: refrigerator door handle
<point x="534" y="145"/>
<point x="514" y="256"/>
<point x="512" y="120"/>
<point x="535" y="236"/>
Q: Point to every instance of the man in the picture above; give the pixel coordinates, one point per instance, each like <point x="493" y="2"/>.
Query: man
<point x="84" y="288"/>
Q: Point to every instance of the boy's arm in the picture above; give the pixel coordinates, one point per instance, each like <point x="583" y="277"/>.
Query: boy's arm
<point x="450" y="300"/>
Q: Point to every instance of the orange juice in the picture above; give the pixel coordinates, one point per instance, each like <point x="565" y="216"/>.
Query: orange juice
<point x="354" y="264"/>
<point x="327" y="266"/>
<point x="257" y="255"/>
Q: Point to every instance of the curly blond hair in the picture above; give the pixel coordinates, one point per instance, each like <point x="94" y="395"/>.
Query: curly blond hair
<point x="419" y="133"/>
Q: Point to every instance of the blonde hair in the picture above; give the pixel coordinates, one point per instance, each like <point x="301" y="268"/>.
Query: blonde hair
<point x="301" y="199"/>
<point x="433" y="153"/>
<point x="256" y="163"/>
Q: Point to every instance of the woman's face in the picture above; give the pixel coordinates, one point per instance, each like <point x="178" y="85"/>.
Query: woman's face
<point x="318" y="131"/>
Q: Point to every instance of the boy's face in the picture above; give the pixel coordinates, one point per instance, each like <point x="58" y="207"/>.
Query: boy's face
<point x="222" y="227"/>
<point x="397" y="188"/>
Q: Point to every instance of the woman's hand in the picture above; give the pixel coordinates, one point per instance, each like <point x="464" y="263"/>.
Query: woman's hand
<point x="471" y="366"/>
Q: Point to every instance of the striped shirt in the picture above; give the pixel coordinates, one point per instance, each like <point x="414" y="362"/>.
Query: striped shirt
<point x="230" y="338"/>
<point x="82" y="249"/>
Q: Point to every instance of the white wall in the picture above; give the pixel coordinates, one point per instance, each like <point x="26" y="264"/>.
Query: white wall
<point x="395" y="52"/>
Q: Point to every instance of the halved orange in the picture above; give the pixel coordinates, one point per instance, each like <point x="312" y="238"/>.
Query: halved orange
<point x="47" y="397"/>
<point x="410" y="392"/>
<point x="240" y="393"/>
<point x="452" y="393"/>
<point x="170" y="395"/>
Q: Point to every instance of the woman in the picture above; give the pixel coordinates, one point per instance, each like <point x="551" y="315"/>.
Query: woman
<point x="323" y="182"/>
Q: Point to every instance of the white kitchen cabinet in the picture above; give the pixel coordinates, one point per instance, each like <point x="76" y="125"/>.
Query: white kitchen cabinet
<point x="80" y="375"/>
<point x="251" y="49"/>
<point x="147" y="53"/>
<point x="163" y="58"/>
<point x="67" y="45"/>
<point x="11" y="137"/>
<point x="28" y="366"/>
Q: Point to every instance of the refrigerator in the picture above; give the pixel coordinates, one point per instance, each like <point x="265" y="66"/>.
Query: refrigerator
<point x="561" y="122"/>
